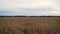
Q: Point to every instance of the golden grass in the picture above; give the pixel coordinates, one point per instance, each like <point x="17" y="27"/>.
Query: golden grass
<point x="29" y="25"/>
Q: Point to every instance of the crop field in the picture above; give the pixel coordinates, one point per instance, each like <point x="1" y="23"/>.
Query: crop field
<point x="29" y="25"/>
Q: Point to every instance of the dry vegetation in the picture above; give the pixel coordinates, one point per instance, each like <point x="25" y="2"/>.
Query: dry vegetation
<point x="29" y="25"/>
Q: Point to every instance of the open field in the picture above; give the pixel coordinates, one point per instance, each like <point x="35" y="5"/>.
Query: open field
<point x="29" y="25"/>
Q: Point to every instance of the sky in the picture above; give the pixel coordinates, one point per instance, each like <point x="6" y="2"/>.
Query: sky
<point x="30" y="7"/>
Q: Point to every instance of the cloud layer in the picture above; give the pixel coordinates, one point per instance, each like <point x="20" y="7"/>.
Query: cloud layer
<point x="30" y="7"/>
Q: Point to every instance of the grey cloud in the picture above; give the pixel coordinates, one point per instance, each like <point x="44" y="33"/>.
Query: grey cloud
<point x="29" y="11"/>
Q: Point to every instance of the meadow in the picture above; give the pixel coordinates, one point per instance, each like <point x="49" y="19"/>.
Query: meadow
<point x="29" y="25"/>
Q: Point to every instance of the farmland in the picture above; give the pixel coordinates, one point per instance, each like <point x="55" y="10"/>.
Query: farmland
<point x="29" y="25"/>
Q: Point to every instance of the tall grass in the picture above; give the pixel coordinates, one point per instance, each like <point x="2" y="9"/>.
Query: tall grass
<point x="29" y="25"/>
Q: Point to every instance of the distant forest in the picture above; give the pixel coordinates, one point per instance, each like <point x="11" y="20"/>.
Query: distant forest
<point x="29" y="16"/>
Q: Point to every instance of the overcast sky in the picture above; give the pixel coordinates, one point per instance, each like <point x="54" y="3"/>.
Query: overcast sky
<point x="30" y="7"/>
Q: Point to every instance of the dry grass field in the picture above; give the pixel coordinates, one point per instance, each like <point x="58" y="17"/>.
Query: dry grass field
<point x="29" y="25"/>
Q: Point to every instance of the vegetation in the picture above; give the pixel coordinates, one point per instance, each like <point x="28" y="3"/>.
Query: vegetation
<point x="29" y="25"/>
